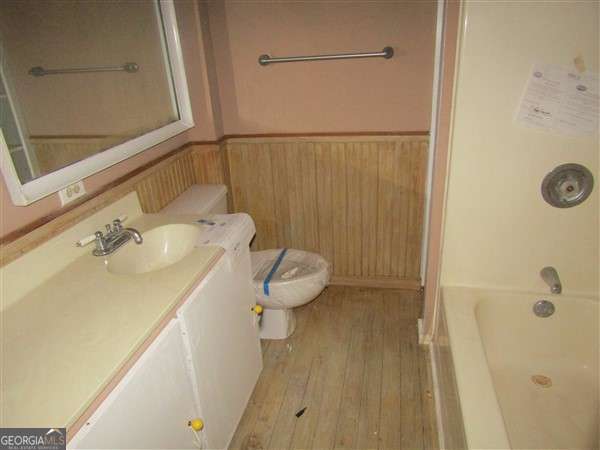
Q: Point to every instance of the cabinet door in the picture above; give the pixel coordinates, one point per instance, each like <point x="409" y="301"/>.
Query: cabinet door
<point x="150" y="407"/>
<point x="224" y="346"/>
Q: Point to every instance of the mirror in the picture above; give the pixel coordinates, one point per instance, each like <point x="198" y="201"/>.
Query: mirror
<point x="83" y="85"/>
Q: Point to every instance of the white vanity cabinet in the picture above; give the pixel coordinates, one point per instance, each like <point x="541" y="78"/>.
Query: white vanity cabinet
<point x="204" y="364"/>
<point x="151" y="405"/>
<point x="222" y="333"/>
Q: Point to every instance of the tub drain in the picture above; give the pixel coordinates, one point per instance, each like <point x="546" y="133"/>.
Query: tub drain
<point x="542" y="380"/>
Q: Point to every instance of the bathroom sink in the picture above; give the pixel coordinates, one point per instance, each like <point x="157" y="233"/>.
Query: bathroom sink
<point x="162" y="246"/>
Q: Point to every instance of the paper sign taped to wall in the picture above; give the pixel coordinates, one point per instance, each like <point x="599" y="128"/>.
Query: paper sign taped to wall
<point x="561" y="100"/>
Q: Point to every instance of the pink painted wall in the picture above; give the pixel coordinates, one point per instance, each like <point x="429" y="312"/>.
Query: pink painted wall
<point x="436" y="217"/>
<point x="326" y="96"/>
<point x="102" y="34"/>
<point x="232" y="94"/>
<point x="207" y="127"/>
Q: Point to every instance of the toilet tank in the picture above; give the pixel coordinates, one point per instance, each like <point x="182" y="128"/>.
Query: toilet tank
<point x="200" y="199"/>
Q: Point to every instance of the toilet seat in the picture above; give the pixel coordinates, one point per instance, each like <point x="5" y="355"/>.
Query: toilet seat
<point x="298" y="278"/>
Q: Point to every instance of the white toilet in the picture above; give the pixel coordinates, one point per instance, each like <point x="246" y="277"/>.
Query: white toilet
<point x="283" y="278"/>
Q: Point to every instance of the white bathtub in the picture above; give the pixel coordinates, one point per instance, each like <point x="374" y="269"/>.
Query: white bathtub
<point x="497" y="344"/>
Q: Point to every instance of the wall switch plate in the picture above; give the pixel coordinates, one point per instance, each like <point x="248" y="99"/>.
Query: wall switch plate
<point x="71" y="192"/>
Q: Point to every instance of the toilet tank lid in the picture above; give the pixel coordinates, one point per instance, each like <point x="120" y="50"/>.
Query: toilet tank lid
<point x="198" y="199"/>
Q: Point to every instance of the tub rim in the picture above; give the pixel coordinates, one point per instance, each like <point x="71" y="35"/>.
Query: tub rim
<point x="482" y="417"/>
<point x="483" y="421"/>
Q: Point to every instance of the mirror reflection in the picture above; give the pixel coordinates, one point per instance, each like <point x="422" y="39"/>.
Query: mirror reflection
<point x="78" y="78"/>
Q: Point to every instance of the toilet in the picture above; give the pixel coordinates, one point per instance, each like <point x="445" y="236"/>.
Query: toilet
<point x="283" y="278"/>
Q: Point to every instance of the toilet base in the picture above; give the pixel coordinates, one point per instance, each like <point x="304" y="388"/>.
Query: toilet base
<point x="277" y="323"/>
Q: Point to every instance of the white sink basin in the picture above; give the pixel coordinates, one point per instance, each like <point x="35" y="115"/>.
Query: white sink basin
<point x="161" y="247"/>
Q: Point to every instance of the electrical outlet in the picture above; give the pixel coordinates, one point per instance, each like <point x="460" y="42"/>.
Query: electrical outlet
<point x="71" y="192"/>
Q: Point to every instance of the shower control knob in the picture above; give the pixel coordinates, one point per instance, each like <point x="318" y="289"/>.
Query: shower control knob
<point x="567" y="185"/>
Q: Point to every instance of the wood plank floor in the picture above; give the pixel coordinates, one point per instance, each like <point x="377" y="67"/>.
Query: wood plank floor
<point x="355" y="368"/>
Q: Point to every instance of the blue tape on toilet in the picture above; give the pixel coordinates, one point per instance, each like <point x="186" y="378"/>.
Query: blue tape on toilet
<point x="273" y="270"/>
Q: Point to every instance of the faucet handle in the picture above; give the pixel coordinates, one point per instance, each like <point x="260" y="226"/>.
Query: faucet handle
<point x="100" y="242"/>
<point x="86" y="240"/>
<point x="117" y="225"/>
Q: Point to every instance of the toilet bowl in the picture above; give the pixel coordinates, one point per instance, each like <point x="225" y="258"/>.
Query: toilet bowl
<point x="283" y="278"/>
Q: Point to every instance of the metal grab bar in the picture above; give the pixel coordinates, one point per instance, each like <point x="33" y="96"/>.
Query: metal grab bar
<point x="386" y="53"/>
<point x="129" y="67"/>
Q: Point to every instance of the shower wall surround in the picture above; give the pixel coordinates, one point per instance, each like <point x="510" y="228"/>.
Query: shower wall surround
<point x="499" y="231"/>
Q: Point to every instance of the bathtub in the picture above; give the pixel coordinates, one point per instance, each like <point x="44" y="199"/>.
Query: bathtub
<point x="522" y="381"/>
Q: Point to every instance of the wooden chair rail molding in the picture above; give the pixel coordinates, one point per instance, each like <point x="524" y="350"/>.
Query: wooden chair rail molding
<point x="356" y="198"/>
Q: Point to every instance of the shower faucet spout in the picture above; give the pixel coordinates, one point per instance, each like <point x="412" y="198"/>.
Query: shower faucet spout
<point x="550" y="277"/>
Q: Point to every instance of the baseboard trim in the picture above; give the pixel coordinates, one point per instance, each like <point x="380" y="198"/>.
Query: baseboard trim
<point x="385" y="283"/>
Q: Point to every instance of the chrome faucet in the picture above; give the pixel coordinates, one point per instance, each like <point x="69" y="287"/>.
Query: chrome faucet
<point x="550" y="277"/>
<point x="115" y="237"/>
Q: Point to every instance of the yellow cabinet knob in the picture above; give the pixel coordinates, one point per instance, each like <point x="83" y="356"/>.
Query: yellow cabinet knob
<point x="196" y="424"/>
<point x="257" y="309"/>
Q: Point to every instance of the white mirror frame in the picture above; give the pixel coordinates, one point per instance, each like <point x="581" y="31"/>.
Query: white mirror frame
<point x="27" y="193"/>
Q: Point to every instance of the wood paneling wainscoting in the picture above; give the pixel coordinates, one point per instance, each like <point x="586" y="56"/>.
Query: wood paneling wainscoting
<point x="358" y="201"/>
<point x="157" y="184"/>
<point x="54" y="152"/>
<point x="202" y="164"/>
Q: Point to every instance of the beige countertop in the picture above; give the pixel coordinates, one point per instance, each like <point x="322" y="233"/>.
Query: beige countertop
<point x="65" y="340"/>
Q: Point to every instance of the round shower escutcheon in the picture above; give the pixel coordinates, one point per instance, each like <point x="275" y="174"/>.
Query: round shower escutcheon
<point x="567" y="185"/>
<point x="543" y="308"/>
